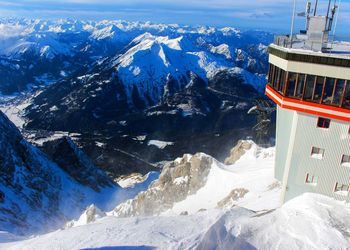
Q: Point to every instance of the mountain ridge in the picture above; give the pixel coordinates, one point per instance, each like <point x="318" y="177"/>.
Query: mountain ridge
<point x="67" y="45"/>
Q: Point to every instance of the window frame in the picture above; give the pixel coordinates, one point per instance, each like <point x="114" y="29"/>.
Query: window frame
<point x="319" y="151"/>
<point x="324" y="123"/>
<point x="344" y="162"/>
<point x="340" y="190"/>
<point x="314" y="179"/>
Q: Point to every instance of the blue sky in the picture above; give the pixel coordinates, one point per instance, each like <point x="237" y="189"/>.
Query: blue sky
<point x="269" y="15"/>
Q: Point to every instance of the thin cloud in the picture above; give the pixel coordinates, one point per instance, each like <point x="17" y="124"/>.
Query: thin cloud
<point x="265" y="14"/>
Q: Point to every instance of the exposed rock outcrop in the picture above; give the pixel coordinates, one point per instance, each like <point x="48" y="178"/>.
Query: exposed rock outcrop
<point x="239" y="150"/>
<point x="180" y="178"/>
<point x="235" y="195"/>
<point x="91" y="214"/>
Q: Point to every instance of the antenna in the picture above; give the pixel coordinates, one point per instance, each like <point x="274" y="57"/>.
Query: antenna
<point x="292" y="25"/>
<point x="329" y="6"/>
<point x="315" y="11"/>
<point x="308" y="10"/>
<point x="335" y="7"/>
<point x="336" y="17"/>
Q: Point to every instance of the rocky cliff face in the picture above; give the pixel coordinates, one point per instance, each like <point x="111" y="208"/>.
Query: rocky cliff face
<point x="178" y="179"/>
<point x="36" y="194"/>
<point x="66" y="154"/>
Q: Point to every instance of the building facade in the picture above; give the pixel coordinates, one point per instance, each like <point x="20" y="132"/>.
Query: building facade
<point x="312" y="93"/>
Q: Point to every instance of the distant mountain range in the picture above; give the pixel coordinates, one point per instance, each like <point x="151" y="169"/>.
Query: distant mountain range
<point x="37" y="52"/>
<point x="122" y="84"/>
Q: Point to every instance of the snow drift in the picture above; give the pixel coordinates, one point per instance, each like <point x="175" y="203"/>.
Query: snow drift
<point x="252" y="221"/>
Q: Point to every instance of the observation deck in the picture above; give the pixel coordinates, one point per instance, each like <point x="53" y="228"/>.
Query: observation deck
<point x="314" y="82"/>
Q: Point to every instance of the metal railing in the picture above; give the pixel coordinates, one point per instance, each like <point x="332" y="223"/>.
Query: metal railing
<point x="283" y="41"/>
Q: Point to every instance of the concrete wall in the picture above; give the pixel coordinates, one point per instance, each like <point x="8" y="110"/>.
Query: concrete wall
<point x="283" y="130"/>
<point x="336" y="142"/>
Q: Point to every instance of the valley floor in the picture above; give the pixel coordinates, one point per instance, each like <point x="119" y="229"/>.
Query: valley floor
<point x="216" y="218"/>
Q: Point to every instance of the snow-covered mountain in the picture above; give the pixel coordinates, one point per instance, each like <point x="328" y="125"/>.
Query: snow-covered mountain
<point x="114" y="81"/>
<point x="39" y="52"/>
<point x="200" y="203"/>
<point x="39" y="193"/>
<point x="130" y="97"/>
<point x="204" y="112"/>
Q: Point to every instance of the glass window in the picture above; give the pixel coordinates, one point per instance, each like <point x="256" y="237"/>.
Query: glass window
<point x="317" y="153"/>
<point x="275" y="77"/>
<point x="345" y="160"/>
<point x="323" y="122"/>
<point x="346" y="102"/>
<point x="292" y="81"/>
<point x="311" y="179"/>
<point x="300" y="86"/>
<point x="318" y="89"/>
<point x="341" y="188"/>
<point x="271" y="67"/>
<point x="309" y="88"/>
<point x="328" y="91"/>
<point x="281" y="82"/>
<point x="339" y="87"/>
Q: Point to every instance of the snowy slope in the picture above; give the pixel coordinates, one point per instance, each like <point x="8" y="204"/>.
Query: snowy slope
<point x="244" y="174"/>
<point x="37" y="195"/>
<point x="307" y="222"/>
<point x="194" y="183"/>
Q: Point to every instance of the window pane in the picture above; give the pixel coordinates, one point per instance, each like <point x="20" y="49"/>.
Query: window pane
<point x="308" y="178"/>
<point x="318" y="89"/>
<point x="328" y="91"/>
<point x="346" y="102"/>
<point x="317" y="153"/>
<point x="275" y="77"/>
<point x="323" y="122"/>
<point x="341" y="187"/>
<point x="311" y="179"/>
<point x="345" y="160"/>
<point x="270" y="73"/>
<point x="300" y="86"/>
<point x="292" y="78"/>
<point x="338" y="92"/>
<point x="310" y="81"/>
<point x="281" y="81"/>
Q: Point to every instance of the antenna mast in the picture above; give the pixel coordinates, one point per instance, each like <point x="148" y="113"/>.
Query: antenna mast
<point x="336" y="16"/>
<point x="292" y="26"/>
<point x="315" y="10"/>
<point x="308" y="10"/>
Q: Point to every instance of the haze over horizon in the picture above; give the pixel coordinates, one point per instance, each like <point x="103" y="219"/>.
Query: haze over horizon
<point x="267" y="15"/>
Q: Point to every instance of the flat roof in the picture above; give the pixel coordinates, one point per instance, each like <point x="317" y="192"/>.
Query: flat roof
<point x="336" y="49"/>
<point x="338" y="56"/>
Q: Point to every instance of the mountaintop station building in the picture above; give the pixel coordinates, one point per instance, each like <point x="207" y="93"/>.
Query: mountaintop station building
<point x="309" y="80"/>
